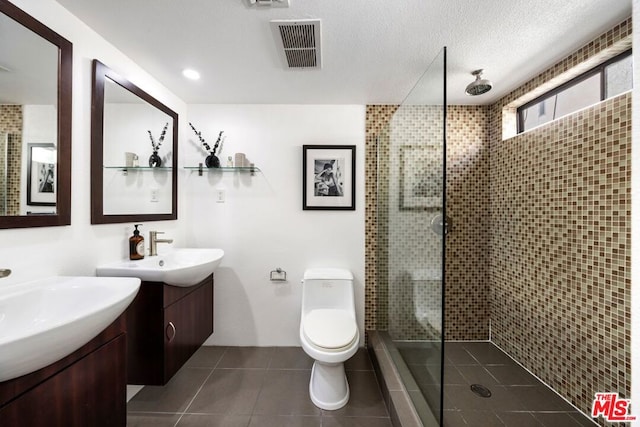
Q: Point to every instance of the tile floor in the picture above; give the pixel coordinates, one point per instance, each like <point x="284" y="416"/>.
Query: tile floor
<point x="258" y="386"/>
<point x="255" y="386"/>
<point x="518" y="399"/>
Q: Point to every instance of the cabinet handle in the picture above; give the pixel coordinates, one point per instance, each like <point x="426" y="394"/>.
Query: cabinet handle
<point x="172" y="335"/>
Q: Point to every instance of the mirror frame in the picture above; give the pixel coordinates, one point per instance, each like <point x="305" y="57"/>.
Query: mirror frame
<point x="65" y="78"/>
<point x="100" y="73"/>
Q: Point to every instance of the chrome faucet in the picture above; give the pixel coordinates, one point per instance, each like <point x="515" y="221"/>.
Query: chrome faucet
<point x="153" y="242"/>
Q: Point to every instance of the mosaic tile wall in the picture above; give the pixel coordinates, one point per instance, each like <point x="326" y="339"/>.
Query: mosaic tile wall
<point x="466" y="270"/>
<point x="376" y="297"/>
<point x="412" y="162"/>
<point x="560" y="240"/>
<point x="560" y="259"/>
<point x="11" y="124"/>
<point x="553" y="205"/>
<point x="467" y="204"/>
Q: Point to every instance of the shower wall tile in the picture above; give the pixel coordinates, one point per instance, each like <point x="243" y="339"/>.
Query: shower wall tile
<point x="467" y="246"/>
<point x="559" y="247"/>
<point x="559" y="252"/>
<point x="415" y="153"/>
<point x="467" y="204"/>
<point x="11" y="156"/>
<point x="540" y="242"/>
<point x="376" y="295"/>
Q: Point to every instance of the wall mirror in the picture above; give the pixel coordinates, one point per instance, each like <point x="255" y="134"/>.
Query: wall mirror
<point x="134" y="145"/>
<point x="35" y="122"/>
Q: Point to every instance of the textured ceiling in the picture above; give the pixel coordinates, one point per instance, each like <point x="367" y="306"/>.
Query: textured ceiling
<point x="374" y="51"/>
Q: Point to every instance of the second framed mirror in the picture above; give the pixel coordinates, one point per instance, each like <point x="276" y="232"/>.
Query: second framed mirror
<point x="134" y="152"/>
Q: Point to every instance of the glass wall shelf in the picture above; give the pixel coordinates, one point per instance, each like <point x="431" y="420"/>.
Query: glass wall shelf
<point x="139" y="168"/>
<point x="247" y="169"/>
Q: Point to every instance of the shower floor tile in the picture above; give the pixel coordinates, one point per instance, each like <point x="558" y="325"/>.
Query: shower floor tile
<point x="517" y="398"/>
<point x="251" y="386"/>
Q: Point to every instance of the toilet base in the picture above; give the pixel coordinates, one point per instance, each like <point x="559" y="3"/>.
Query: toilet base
<point x="328" y="386"/>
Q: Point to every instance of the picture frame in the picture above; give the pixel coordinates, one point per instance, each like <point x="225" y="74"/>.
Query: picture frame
<point x="328" y="177"/>
<point x="41" y="174"/>
<point x="420" y="177"/>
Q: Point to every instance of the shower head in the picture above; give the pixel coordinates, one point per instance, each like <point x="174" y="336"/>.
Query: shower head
<point x="479" y="85"/>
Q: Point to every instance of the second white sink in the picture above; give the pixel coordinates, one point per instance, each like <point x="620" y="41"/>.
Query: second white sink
<point x="45" y="320"/>
<point x="180" y="267"/>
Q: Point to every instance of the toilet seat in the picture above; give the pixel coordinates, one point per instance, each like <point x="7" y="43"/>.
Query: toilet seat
<point x="329" y="329"/>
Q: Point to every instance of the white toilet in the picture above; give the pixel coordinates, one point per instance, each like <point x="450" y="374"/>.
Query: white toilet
<point x="328" y="333"/>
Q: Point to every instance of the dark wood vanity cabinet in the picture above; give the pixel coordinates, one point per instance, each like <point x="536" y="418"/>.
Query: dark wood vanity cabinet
<point x="165" y="326"/>
<point x="86" y="388"/>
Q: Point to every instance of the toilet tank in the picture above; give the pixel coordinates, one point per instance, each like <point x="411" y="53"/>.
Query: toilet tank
<point x="327" y="288"/>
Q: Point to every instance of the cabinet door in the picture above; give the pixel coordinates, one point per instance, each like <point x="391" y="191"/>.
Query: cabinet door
<point x="187" y="324"/>
<point x="91" y="392"/>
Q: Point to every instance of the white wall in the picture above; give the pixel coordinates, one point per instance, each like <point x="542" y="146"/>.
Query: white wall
<point x="261" y="225"/>
<point x="126" y="127"/>
<point x="77" y="249"/>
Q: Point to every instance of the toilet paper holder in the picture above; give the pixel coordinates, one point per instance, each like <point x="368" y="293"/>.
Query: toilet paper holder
<point x="278" y="275"/>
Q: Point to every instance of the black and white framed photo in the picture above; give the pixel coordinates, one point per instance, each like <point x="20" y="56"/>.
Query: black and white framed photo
<point x="41" y="174"/>
<point x="420" y="177"/>
<point x="328" y="177"/>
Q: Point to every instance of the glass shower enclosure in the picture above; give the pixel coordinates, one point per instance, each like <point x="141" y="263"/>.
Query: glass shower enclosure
<point x="411" y="208"/>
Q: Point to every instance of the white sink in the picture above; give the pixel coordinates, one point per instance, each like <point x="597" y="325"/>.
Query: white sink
<point x="180" y="267"/>
<point x="45" y="320"/>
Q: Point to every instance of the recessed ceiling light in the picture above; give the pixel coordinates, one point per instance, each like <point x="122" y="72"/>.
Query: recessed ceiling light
<point x="191" y="74"/>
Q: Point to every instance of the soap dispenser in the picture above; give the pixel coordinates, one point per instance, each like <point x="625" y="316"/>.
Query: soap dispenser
<point x="136" y="244"/>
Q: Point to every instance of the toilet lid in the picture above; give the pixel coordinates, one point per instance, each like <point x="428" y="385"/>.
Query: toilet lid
<point x="330" y="328"/>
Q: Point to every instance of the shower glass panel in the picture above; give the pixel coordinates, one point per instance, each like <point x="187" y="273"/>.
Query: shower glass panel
<point x="411" y="208"/>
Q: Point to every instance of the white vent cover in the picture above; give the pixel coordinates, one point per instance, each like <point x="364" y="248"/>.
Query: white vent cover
<point x="298" y="42"/>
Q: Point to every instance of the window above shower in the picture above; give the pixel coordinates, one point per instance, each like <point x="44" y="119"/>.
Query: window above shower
<point x="604" y="81"/>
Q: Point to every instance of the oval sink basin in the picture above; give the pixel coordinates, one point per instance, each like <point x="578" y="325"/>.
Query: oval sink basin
<point x="180" y="267"/>
<point x="45" y="320"/>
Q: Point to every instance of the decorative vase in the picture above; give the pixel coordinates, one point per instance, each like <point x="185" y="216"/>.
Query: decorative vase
<point x="155" y="161"/>
<point x="212" y="161"/>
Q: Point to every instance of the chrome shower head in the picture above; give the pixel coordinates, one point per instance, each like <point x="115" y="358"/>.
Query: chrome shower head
<point x="479" y="85"/>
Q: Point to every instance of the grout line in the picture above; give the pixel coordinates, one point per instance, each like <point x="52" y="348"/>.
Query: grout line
<point x="264" y="379"/>
<point x="273" y="351"/>
<point x="321" y="415"/>
<point x="186" y="409"/>
<point x="543" y="382"/>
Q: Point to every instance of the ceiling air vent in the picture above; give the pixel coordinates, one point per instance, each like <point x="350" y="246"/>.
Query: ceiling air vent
<point x="298" y="42"/>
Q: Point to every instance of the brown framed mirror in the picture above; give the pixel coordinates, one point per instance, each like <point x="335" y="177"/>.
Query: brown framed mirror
<point x="35" y="112"/>
<point x="134" y="146"/>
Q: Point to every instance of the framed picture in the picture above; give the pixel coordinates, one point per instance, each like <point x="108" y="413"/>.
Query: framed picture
<point x="41" y="174"/>
<point x="328" y="177"/>
<point x="420" y="177"/>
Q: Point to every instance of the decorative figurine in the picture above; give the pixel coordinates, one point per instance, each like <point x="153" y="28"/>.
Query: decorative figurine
<point x="212" y="161"/>
<point x="155" y="161"/>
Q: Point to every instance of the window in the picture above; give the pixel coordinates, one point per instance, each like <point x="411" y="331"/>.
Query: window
<point x="602" y="82"/>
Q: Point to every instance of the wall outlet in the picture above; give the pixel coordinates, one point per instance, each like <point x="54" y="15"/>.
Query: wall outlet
<point x="220" y="196"/>
<point x="154" y="195"/>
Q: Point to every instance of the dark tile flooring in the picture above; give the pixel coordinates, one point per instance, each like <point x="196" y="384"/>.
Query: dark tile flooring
<point x="255" y="386"/>
<point x="518" y="399"/>
<point x="269" y="386"/>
